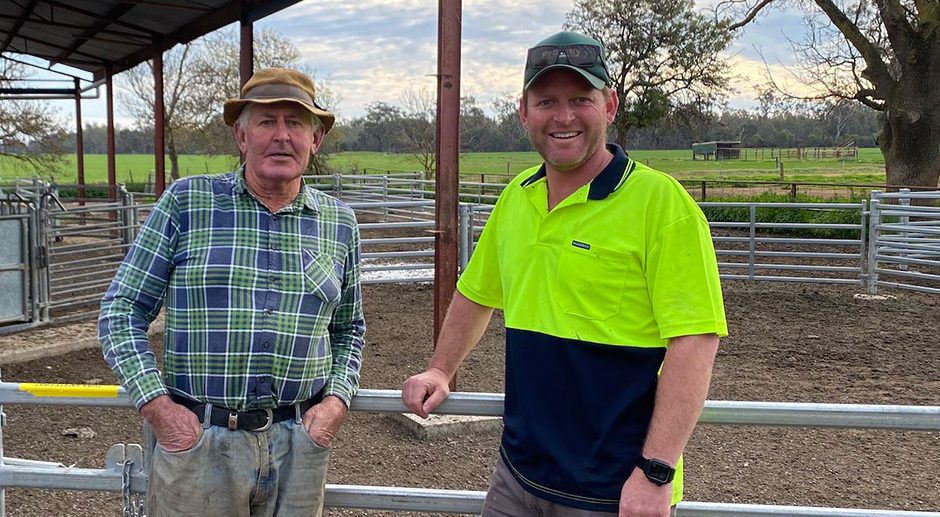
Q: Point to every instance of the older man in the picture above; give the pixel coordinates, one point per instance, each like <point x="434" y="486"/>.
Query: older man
<point x="260" y="277"/>
<point x="607" y="276"/>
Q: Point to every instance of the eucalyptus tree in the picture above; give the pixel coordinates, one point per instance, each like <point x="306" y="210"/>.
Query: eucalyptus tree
<point x="884" y="54"/>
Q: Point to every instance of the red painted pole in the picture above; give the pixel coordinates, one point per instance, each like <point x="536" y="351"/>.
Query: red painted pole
<point x="447" y="173"/>
<point x="246" y="55"/>
<point x="159" y="156"/>
<point x="79" y="144"/>
<point x="246" y="62"/>
<point x="112" y="167"/>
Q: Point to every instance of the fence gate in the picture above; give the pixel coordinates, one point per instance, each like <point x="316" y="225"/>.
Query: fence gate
<point x="904" y="245"/>
<point x="82" y="247"/>
<point x="15" y="281"/>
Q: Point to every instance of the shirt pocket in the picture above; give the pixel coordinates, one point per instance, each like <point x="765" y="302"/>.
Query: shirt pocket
<point x="590" y="282"/>
<point x="320" y="276"/>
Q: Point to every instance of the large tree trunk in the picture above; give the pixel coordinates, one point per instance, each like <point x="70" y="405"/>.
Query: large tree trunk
<point x="620" y="135"/>
<point x="174" y="158"/>
<point x="910" y="142"/>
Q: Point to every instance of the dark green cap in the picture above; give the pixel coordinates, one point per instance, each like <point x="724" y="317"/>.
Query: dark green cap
<point x="541" y="58"/>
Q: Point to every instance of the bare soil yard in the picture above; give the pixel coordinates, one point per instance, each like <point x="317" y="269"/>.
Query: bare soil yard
<point x="788" y="342"/>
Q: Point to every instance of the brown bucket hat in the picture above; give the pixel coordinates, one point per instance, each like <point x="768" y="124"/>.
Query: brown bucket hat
<point x="270" y="85"/>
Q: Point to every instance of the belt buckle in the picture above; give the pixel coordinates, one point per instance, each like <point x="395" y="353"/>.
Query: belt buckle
<point x="269" y="415"/>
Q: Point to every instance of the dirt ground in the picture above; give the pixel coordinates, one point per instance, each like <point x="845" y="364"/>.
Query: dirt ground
<point x="788" y="342"/>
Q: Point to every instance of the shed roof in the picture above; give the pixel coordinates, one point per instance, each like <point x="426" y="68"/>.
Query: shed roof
<point x="120" y="34"/>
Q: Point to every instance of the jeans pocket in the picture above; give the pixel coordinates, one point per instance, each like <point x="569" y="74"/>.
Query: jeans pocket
<point x="299" y="428"/>
<point x="199" y="441"/>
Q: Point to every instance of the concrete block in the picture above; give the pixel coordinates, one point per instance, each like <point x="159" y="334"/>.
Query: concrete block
<point x="437" y="426"/>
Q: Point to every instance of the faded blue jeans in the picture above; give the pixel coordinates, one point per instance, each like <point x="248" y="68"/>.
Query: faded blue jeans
<point x="278" y="472"/>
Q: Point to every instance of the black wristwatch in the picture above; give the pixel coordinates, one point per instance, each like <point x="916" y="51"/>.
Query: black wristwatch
<point x="657" y="471"/>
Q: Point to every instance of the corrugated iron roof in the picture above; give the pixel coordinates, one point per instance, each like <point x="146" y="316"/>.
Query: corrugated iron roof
<point x="96" y="35"/>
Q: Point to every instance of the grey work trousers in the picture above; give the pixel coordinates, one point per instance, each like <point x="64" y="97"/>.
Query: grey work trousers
<point x="507" y="498"/>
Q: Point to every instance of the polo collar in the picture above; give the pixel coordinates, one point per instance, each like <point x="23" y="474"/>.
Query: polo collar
<point x="306" y="198"/>
<point x="605" y="183"/>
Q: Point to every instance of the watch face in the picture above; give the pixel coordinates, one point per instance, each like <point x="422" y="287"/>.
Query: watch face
<point x="658" y="471"/>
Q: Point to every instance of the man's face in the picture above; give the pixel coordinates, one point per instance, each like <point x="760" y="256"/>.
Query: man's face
<point x="277" y="141"/>
<point x="566" y="118"/>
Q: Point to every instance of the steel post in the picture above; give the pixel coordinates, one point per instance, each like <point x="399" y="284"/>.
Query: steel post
<point x="874" y="221"/>
<point x="447" y="154"/>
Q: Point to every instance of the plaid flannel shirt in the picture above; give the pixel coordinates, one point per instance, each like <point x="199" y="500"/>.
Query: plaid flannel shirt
<point x="262" y="309"/>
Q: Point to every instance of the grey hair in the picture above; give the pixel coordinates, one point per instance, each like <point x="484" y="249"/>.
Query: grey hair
<point x="242" y="120"/>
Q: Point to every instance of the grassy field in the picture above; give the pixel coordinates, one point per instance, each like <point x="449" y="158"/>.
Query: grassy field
<point x="868" y="168"/>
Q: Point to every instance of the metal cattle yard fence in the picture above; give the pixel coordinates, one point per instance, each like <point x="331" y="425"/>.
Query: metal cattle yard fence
<point x="60" y="254"/>
<point x="124" y="470"/>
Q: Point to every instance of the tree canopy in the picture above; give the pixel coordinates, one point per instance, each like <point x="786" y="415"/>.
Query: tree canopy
<point x="30" y="131"/>
<point x="665" y="57"/>
<point x="884" y="54"/>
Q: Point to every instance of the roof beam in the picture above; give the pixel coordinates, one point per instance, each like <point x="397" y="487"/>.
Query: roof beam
<point x="219" y="17"/>
<point x="149" y="32"/>
<point x="20" y="20"/>
<point x="192" y="6"/>
<point x="27" y="39"/>
<point x="37" y="21"/>
<point x="102" y="22"/>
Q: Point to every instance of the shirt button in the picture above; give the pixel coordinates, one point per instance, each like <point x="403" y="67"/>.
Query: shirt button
<point x="274" y="280"/>
<point x="267" y="344"/>
<point x="268" y="310"/>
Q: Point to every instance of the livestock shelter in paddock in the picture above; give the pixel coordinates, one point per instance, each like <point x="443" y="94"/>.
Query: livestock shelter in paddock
<point x="718" y="150"/>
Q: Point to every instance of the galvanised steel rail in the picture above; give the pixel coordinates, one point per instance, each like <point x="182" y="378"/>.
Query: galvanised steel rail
<point x="32" y="474"/>
<point x="788" y="414"/>
<point x="903" y="250"/>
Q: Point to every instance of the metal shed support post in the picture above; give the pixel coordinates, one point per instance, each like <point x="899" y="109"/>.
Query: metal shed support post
<point x="79" y="144"/>
<point x="447" y="163"/>
<point x="159" y="159"/>
<point x="874" y="220"/>
<point x="112" y="167"/>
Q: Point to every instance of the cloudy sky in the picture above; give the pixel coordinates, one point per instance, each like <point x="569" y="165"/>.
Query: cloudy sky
<point x="374" y="50"/>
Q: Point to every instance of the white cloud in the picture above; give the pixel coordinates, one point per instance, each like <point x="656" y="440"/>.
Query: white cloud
<point x="373" y="50"/>
<point x="750" y="75"/>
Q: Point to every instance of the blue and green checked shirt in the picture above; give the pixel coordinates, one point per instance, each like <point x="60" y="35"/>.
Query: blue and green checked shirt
<point x="262" y="309"/>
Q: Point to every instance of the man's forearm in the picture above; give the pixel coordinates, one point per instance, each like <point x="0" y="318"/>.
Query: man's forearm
<point x="463" y="326"/>
<point x="680" y="395"/>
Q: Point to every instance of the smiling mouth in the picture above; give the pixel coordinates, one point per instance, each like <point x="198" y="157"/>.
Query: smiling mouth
<point x="280" y="155"/>
<point x="566" y="135"/>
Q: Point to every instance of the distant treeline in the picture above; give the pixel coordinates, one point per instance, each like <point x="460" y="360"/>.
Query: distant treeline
<point x="383" y="125"/>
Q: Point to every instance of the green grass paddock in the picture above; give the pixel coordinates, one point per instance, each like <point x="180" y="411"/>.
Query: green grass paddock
<point x="131" y="168"/>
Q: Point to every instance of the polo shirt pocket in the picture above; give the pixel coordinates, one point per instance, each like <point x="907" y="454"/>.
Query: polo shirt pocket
<point x="319" y="276"/>
<point x="590" y="282"/>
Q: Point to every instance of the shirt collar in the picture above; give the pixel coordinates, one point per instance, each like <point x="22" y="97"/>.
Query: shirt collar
<point x="609" y="179"/>
<point x="306" y="199"/>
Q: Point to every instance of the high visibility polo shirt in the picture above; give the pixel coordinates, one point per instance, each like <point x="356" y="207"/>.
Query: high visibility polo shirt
<point x="592" y="292"/>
